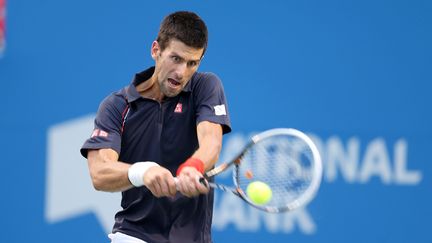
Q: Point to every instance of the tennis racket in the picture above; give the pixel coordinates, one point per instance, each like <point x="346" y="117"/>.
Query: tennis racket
<point x="285" y="159"/>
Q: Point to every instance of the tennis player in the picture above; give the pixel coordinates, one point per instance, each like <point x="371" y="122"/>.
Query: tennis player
<point x="154" y="138"/>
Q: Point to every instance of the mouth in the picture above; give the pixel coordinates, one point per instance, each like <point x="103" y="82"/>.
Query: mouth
<point x="174" y="83"/>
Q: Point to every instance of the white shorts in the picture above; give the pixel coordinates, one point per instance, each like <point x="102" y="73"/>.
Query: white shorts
<point x="123" y="238"/>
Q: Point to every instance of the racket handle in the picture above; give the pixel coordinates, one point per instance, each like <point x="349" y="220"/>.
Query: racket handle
<point x="207" y="184"/>
<point x="201" y="180"/>
<point x="176" y="182"/>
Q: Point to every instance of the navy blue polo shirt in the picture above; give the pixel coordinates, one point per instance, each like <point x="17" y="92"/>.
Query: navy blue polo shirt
<point x="141" y="129"/>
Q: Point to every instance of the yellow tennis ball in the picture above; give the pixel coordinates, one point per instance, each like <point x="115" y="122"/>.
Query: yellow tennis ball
<point x="259" y="192"/>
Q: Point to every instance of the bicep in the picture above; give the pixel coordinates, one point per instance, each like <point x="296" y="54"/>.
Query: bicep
<point x="98" y="157"/>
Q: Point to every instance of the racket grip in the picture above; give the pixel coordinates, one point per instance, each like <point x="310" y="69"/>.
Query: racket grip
<point x="176" y="183"/>
<point x="201" y="180"/>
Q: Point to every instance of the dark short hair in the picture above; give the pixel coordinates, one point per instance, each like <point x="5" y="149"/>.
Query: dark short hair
<point x="184" y="26"/>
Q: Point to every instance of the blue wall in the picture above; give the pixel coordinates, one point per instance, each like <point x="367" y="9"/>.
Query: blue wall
<point x="355" y="75"/>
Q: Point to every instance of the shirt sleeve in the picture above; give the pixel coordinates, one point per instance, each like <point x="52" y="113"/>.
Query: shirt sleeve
<point x="107" y="125"/>
<point x="210" y="101"/>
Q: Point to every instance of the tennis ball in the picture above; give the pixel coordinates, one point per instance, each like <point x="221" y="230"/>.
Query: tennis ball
<point x="259" y="192"/>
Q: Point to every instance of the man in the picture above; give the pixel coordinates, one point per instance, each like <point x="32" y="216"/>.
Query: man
<point x="168" y="123"/>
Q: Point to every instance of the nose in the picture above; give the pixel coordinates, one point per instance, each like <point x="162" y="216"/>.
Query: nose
<point x="180" y="70"/>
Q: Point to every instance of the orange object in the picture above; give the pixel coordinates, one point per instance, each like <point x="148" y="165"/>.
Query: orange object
<point x="249" y="174"/>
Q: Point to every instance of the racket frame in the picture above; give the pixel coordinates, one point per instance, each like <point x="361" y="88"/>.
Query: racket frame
<point x="301" y="201"/>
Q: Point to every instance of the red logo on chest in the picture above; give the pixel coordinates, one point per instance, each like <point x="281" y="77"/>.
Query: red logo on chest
<point x="178" y="108"/>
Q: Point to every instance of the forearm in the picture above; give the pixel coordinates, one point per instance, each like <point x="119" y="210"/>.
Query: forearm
<point x="112" y="178"/>
<point x="210" y="143"/>
<point x="107" y="173"/>
<point x="208" y="152"/>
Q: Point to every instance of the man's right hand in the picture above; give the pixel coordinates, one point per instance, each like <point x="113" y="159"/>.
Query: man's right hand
<point x="160" y="182"/>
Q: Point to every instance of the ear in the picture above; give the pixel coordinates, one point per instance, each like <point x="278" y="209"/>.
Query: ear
<point x="155" y="50"/>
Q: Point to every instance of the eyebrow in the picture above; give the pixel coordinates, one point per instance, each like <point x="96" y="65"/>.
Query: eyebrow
<point x="176" y="54"/>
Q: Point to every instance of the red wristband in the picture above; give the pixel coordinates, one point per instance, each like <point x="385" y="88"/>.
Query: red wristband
<point x="192" y="162"/>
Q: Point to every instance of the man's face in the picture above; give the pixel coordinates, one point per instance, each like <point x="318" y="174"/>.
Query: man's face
<point x="175" y="66"/>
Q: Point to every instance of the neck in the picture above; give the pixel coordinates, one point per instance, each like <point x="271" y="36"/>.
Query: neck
<point x="150" y="89"/>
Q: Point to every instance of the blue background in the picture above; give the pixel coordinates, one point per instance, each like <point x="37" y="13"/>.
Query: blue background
<point x="331" y="68"/>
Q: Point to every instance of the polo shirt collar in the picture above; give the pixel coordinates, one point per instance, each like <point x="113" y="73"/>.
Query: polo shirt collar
<point x="131" y="92"/>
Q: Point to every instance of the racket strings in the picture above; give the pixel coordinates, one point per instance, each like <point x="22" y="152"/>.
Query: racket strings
<point x="284" y="163"/>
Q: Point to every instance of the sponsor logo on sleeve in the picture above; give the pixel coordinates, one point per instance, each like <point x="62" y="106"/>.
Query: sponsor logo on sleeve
<point x="220" y="110"/>
<point x="99" y="133"/>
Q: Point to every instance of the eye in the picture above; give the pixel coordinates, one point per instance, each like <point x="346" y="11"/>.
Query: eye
<point x="176" y="59"/>
<point x="192" y="64"/>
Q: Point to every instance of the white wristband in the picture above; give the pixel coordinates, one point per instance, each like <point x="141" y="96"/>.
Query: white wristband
<point x="136" y="172"/>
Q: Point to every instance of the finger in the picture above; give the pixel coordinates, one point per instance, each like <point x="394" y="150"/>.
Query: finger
<point x="183" y="188"/>
<point x="168" y="186"/>
<point x="154" y="190"/>
<point x="196" y="186"/>
<point x="177" y="184"/>
<point x="187" y="187"/>
<point x="172" y="187"/>
<point x="201" y="185"/>
<point x="162" y="185"/>
<point x="157" y="189"/>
